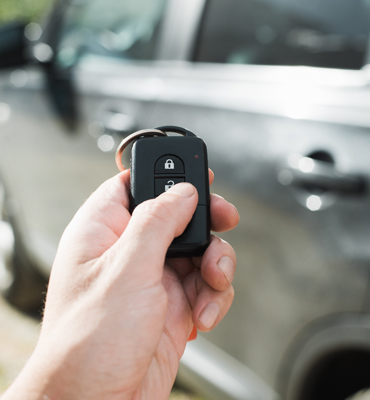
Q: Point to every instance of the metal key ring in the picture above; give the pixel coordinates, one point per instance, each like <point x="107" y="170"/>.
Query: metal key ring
<point x="131" y="138"/>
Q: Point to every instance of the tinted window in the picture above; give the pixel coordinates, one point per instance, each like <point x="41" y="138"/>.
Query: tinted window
<point x="321" y="33"/>
<point x="118" y="28"/>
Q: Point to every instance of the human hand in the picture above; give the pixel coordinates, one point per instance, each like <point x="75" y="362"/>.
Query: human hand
<point x="118" y="314"/>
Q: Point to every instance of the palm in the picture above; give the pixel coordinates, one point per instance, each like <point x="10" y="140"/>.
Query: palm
<point x="178" y="324"/>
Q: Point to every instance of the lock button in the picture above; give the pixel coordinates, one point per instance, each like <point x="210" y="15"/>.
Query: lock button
<point x="164" y="184"/>
<point x="169" y="165"/>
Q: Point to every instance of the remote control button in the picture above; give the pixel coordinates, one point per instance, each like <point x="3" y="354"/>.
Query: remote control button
<point x="169" y="165"/>
<point x="164" y="184"/>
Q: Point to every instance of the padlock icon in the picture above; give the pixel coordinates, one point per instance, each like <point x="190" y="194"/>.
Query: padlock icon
<point x="169" y="164"/>
<point x="169" y="185"/>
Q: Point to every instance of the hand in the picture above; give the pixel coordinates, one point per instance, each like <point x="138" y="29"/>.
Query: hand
<point x="118" y="314"/>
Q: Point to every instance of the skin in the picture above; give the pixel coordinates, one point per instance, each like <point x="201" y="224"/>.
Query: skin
<point x="118" y="314"/>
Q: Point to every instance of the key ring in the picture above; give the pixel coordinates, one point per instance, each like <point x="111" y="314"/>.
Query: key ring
<point x="131" y="138"/>
<point x="161" y="131"/>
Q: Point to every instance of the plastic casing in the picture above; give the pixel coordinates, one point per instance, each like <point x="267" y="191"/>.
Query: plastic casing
<point x="193" y="152"/>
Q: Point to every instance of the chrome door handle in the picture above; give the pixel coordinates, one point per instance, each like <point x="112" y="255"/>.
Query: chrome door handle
<point x="315" y="175"/>
<point x="119" y="123"/>
<point x="109" y="129"/>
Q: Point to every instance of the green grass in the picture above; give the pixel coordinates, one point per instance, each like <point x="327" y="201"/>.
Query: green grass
<point x="27" y="10"/>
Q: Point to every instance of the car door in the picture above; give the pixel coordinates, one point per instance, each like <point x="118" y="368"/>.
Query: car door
<point x="94" y="83"/>
<point x="279" y="92"/>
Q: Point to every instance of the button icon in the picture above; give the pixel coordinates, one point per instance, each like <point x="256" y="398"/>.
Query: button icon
<point x="161" y="185"/>
<point x="169" y="164"/>
<point x="169" y="185"/>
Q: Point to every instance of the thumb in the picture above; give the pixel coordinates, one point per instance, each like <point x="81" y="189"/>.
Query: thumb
<point x="153" y="226"/>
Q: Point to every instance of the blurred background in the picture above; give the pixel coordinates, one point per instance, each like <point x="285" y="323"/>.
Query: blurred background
<point x="280" y="92"/>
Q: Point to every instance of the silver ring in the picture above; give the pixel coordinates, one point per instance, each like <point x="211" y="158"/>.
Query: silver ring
<point x="131" y="138"/>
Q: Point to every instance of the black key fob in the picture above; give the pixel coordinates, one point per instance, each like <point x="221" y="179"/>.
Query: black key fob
<point x="158" y="163"/>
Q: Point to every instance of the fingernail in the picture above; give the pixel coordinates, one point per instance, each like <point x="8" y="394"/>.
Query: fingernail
<point x="209" y="315"/>
<point x="182" y="189"/>
<point x="226" y="265"/>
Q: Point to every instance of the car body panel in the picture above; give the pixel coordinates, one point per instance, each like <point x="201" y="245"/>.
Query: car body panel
<point x="285" y="251"/>
<point x="51" y="157"/>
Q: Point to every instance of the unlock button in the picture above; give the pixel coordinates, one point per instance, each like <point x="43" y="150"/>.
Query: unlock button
<point x="164" y="184"/>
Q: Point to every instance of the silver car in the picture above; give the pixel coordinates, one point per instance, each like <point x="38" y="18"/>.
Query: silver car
<point x="280" y="92"/>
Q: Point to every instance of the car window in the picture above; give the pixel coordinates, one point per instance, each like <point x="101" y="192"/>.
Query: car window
<point x="128" y="29"/>
<point x="320" y="33"/>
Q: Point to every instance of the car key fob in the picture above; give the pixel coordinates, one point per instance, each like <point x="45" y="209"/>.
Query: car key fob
<point x="158" y="163"/>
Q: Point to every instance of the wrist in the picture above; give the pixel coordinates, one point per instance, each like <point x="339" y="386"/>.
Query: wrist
<point x="40" y="379"/>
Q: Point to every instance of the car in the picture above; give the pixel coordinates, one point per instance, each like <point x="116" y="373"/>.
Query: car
<point x="279" y="90"/>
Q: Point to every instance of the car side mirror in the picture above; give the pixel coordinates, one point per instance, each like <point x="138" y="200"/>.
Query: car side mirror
<point x="12" y="45"/>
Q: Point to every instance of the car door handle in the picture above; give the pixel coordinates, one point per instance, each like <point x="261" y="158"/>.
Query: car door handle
<point x="116" y="122"/>
<point x="314" y="175"/>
